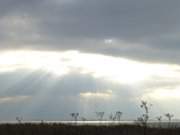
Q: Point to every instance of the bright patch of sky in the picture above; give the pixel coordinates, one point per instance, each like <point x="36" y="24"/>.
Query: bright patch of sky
<point x="99" y="66"/>
<point x="112" y="69"/>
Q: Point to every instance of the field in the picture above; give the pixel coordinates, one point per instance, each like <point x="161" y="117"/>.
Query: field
<point x="65" y="129"/>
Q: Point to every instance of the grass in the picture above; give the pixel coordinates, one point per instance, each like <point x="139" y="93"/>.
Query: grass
<point x="62" y="129"/>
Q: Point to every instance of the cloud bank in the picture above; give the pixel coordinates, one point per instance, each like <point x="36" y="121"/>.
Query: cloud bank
<point x="141" y="30"/>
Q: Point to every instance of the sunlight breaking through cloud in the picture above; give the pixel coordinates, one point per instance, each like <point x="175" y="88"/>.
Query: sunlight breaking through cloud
<point x="164" y="94"/>
<point x="104" y="94"/>
<point x="114" y="69"/>
<point x="84" y="78"/>
<point x="13" y="99"/>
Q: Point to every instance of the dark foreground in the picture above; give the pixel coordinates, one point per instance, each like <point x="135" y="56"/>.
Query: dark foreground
<point x="60" y="129"/>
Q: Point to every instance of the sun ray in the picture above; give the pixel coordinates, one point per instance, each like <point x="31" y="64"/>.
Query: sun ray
<point x="99" y="66"/>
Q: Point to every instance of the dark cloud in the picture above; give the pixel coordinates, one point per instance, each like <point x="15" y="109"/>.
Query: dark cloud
<point x="83" y="25"/>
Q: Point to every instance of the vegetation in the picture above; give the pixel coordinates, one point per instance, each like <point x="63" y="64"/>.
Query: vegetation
<point x="159" y="118"/>
<point x="100" y="115"/>
<point x="141" y="127"/>
<point x="75" y="116"/>
<point x="19" y="119"/>
<point x="169" y="117"/>
<point x="145" y="116"/>
<point x="116" y="116"/>
<point x="62" y="129"/>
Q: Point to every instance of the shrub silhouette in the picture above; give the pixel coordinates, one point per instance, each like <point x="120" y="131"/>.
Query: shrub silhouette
<point x="145" y="116"/>
<point x="19" y="119"/>
<point x="118" y="115"/>
<point x="100" y="115"/>
<point x="159" y="118"/>
<point x="169" y="117"/>
<point x="75" y="116"/>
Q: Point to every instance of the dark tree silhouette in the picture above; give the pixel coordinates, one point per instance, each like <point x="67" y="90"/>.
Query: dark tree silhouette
<point x="145" y="116"/>
<point x="159" y="118"/>
<point x="118" y="115"/>
<point x="75" y="116"/>
<point x="100" y="115"/>
<point x="111" y="117"/>
<point x="83" y="119"/>
<point x="19" y="119"/>
<point x="169" y="117"/>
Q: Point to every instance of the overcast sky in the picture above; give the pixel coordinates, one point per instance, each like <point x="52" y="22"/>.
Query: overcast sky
<point x="63" y="56"/>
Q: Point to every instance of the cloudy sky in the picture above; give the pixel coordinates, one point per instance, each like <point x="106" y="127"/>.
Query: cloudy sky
<point x="63" y="56"/>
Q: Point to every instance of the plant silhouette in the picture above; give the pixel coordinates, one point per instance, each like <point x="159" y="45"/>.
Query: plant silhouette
<point x="75" y="116"/>
<point x="169" y="117"/>
<point x="145" y="116"/>
<point x="100" y="115"/>
<point x="159" y="118"/>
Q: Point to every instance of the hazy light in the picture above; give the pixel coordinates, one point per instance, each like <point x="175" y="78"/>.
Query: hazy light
<point x="164" y="94"/>
<point x="13" y="99"/>
<point x="119" y="70"/>
<point x="105" y="94"/>
<point x="32" y="60"/>
<point x="108" y="41"/>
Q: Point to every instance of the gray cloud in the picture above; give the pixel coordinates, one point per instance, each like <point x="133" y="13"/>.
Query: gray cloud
<point x="151" y="28"/>
<point x="54" y="98"/>
<point x="39" y="95"/>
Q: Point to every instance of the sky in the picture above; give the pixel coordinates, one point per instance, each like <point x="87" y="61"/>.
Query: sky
<point x="87" y="56"/>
